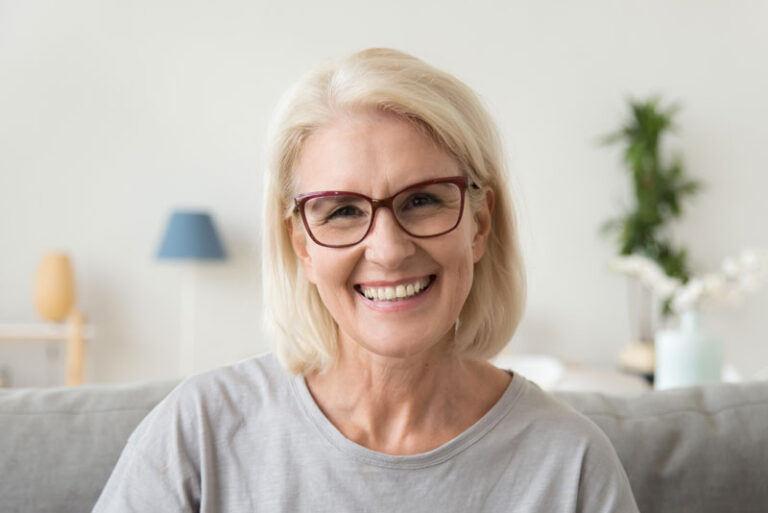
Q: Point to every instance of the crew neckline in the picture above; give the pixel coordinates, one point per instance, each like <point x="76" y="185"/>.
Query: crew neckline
<point x="410" y="461"/>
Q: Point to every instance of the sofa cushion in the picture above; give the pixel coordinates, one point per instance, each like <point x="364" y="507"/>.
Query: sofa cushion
<point x="689" y="450"/>
<point x="58" y="446"/>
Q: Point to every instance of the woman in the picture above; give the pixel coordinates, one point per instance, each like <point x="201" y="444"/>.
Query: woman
<point x="393" y="273"/>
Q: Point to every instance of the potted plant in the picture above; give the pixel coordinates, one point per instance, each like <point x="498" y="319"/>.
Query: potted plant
<point x="659" y="188"/>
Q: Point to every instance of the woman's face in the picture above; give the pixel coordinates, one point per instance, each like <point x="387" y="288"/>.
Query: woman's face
<point x="378" y="154"/>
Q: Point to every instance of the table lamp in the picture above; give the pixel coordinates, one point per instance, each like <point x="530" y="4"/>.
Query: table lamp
<point x="190" y="236"/>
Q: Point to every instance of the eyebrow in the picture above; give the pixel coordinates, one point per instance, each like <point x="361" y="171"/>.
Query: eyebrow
<point x="333" y="200"/>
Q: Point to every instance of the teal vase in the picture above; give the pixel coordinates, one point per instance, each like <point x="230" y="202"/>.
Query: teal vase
<point x="687" y="356"/>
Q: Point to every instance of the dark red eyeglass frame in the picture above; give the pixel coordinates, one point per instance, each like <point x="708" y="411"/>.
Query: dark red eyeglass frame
<point x="301" y="199"/>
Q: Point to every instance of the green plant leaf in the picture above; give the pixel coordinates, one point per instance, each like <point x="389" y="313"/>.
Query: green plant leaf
<point x="660" y="189"/>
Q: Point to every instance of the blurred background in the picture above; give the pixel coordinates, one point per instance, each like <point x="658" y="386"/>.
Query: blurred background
<point x="113" y="114"/>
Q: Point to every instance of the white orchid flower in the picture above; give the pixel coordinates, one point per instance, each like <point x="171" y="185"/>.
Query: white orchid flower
<point x="739" y="275"/>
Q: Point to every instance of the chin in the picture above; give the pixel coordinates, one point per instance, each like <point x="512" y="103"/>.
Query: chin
<point x="405" y="347"/>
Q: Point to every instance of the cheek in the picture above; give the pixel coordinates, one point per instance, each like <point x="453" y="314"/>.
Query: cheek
<point x="464" y="276"/>
<point x="460" y="271"/>
<point x="331" y="270"/>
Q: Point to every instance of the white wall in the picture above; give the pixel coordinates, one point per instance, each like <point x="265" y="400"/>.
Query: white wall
<point x="112" y="113"/>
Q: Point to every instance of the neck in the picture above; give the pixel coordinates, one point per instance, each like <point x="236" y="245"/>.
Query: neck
<point x="406" y="405"/>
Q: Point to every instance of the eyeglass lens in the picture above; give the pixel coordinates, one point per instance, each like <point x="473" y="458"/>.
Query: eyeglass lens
<point x="422" y="211"/>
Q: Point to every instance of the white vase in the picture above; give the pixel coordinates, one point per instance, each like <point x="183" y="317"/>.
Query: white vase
<point x="687" y="356"/>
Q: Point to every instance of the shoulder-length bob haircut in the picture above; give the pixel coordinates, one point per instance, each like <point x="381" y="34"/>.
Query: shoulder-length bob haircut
<point x="448" y="111"/>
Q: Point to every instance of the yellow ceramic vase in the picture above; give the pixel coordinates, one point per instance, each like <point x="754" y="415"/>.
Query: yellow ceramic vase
<point x="54" y="287"/>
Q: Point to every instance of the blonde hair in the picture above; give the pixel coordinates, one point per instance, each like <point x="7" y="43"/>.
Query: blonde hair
<point x="395" y="82"/>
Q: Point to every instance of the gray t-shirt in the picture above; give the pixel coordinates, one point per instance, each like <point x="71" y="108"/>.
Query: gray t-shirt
<point x="249" y="437"/>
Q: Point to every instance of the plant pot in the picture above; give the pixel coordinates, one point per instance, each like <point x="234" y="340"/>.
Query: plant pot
<point x="687" y="356"/>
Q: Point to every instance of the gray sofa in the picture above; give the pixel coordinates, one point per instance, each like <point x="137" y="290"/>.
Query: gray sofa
<point x="692" y="450"/>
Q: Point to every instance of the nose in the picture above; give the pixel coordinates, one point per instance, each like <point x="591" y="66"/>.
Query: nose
<point x="387" y="244"/>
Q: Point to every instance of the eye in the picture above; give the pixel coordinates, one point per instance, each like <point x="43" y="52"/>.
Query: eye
<point x="345" y="212"/>
<point x="421" y="199"/>
<point x="336" y="210"/>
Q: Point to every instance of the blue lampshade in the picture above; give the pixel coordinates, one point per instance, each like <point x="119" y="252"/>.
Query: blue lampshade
<point x="191" y="236"/>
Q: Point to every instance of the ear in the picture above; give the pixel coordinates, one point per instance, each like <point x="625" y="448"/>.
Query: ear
<point x="482" y="217"/>
<point x="299" y="243"/>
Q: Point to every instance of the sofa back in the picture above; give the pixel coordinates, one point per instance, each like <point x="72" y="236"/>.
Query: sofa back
<point x="692" y="450"/>
<point x="58" y="446"/>
<point x="702" y="449"/>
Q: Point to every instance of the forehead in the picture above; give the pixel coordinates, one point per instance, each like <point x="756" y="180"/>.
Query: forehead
<point x="370" y="152"/>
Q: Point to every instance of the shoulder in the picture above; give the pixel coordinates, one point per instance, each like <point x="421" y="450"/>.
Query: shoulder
<point x="253" y="378"/>
<point x="553" y="417"/>
<point x="547" y="430"/>
<point x="555" y="442"/>
<point x="574" y="441"/>
<point x="227" y="395"/>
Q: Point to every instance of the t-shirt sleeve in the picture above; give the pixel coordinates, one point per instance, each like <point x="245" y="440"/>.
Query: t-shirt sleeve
<point x="603" y="484"/>
<point x="158" y="469"/>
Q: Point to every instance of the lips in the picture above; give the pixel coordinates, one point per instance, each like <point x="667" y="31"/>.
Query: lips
<point x="398" y="292"/>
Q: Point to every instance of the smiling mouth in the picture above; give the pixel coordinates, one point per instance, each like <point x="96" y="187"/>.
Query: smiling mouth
<point x="396" y="293"/>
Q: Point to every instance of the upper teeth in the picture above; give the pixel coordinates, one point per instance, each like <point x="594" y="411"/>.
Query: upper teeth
<point x="393" y="293"/>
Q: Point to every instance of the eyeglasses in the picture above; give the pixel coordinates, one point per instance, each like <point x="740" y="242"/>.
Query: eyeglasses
<point x="338" y="219"/>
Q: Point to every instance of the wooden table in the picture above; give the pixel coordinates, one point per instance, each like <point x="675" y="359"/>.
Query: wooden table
<point x="74" y="332"/>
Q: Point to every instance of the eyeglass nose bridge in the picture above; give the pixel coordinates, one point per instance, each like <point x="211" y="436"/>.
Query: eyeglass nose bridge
<point x="383" y="203"/>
